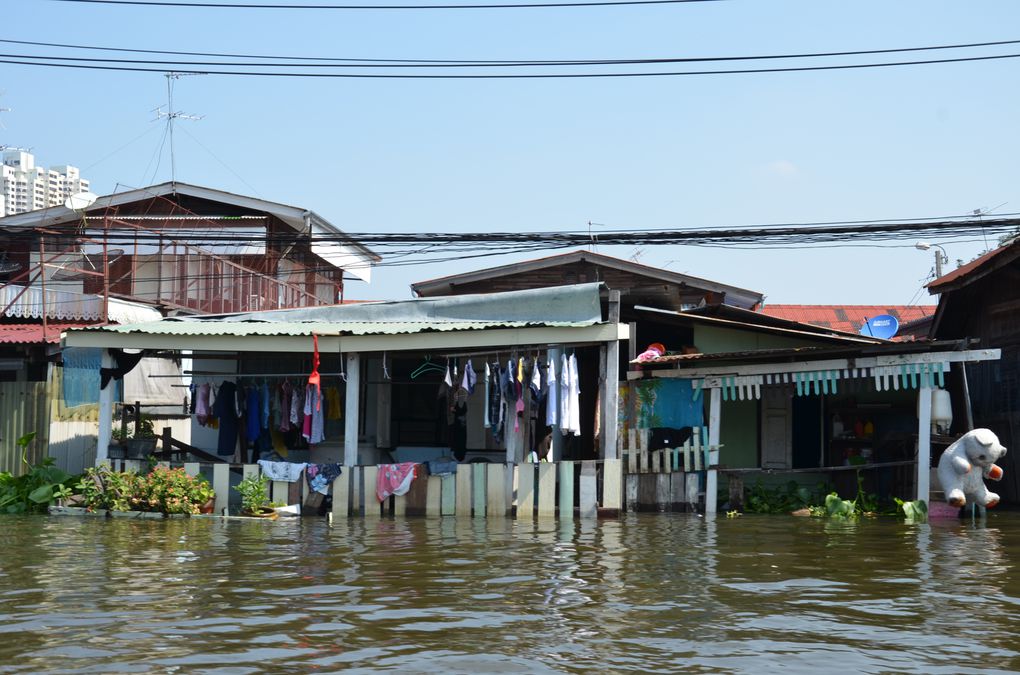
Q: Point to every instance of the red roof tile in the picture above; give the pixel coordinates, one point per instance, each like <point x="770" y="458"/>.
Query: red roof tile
<point x="28" y="333"/>
<point x="847" y="318"/>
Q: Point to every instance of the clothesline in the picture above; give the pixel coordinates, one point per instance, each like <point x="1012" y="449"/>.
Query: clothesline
<point x="196" y="373"/>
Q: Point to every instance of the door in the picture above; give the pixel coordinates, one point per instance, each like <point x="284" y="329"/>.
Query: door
<point x="776" y="428"/>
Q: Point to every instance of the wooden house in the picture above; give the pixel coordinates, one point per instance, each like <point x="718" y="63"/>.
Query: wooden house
<point x="981" y="301"/>
<point x="136" y="256"/>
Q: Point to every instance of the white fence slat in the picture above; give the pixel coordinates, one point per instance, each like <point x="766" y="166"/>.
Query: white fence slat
<point x="546" y="490"/>
<point x="221" y="486"/>
<point x="588" y="491"/>
<point x="526" y="490"/>
<point x="566" y="480"/>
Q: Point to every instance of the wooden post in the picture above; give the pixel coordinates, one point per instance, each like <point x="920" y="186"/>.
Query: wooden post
<point x="221" y="486"/>
<point x="105" y="412"/>
<point x="966" y="396"/>
<point x="712" y="480"/>
<point x="448" y="505"/>
<point x="342" y="495"/>
<point x="373" y="509"/>
<point x="357" y="507"/>
<point x="611" y="393"/>
<point x="923" y="443"/>
<point x="168" y="442"/>
<point x="612" y="485"/>
<point x="526" y="491"/>
<point x="496" y="497"/>
<point x="351" y="416"/>
<point x="587" y="493"/>
<point x="566" y="471"/>
<point x="736" y="493"/>
<point x="434" y="497"/>
<point x="463" y="499"/>
<point x="546" y="490"/>
<point x="478" y="500"/>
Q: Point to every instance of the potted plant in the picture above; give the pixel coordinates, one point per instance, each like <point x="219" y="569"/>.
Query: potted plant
<point x="254" y="491"/>
<point x="139" y="444"/>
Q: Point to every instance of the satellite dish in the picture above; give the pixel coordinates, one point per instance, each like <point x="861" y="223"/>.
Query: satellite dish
<point x="883" y="326"/>
<point x="81" y="201"/>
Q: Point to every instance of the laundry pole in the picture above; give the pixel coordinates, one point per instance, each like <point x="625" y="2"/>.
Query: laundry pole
<point x="611" y="393"/>
<point x="712" y="474"/>
<point x="353" y="370"/>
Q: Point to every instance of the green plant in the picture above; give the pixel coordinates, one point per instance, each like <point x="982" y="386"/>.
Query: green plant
<point x="790" y="497"/>
<point x="33" y="491"/>
<point x="171" y="491"/>
<point x="254" y="491"/>
<point x="915" y="511"/>
<point x="103" y="489"/>
<point x="145" y="428"/>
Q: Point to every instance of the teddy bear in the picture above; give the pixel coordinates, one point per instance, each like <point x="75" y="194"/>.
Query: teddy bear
<point x="965" y="464"/>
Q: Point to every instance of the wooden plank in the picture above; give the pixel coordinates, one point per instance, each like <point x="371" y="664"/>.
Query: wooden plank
<point x="663" y="492"/>
<point x="692" y="490"/>
<point x="357" y="507"/>
<point x="698" y="455"/>
<point x="434" y="497"/>
<point x="496" y="493"/>
<point x="656" y="465"/>
<point x="417" y="495"/>
<point x="448" y="500"/>
<point x="478" y="490"/>
<point x="566" y="481"/>
<point x="463" y="495"/>
<point x="612" y="484"/>
<point x="588" y="491"/>
<point x="687" y="455"/>
<point x="643" y="461"/>
<point x="632" y="466"/>
<point x="192" y="468"/>
<point x="677" y="491"/>
<point x="546" y="490"/>
<point x="373" y="509"/>
<point x="646" y="492"/>
<point x="342" y="494"/>
<point x="280" y="491"/>
<point x="631" y="492"/>
<point x="246" y="470"/>
<point x="526" y="491"/>
<point x="221" y="486"/>
<point x="399" y="506"/>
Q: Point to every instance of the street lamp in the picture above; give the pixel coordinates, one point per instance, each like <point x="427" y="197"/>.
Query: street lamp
<point x="940" y="258"/>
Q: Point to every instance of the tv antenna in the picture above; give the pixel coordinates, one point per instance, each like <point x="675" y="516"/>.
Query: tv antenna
<point x="171" y="115"/>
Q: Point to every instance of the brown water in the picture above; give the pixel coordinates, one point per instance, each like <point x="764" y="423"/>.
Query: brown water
<point x="662" y="593"/>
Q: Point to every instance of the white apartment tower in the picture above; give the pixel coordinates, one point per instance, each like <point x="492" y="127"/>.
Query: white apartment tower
<point x="27" y="187"/>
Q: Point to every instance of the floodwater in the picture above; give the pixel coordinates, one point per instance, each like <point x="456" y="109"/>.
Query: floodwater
<point x="667" y="593"/>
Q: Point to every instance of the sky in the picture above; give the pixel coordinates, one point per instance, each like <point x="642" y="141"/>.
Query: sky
<point x="552" y="155"/>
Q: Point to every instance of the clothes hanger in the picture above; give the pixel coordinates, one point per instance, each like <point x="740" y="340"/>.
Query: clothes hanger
<point x="427" y="367"/>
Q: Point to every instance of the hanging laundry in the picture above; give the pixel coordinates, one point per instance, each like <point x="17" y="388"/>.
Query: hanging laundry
<point x="282" y="471"/>
<point x="496" y="418"/>
<point x="321" y="476"/>
<point x="552" y="405"/>
<point x="470" y="378"/>
<point x="225" y="409"/>
<point x="314" y="380"/>
<point x="535" y="385"/>
<point x="312" y="429"/>
<point x="202" y="404"/>
<point x="333" y="411"/>
<point x="448" y="378"/>
<point x="264" y="401"/>
<point x="574" y="390"/>
<point x="394" y="479"/>
<point x="441" y="467"/>
<point x="81" y="375"/>
<point x="297" y="408"/>
<point x="564" y="394"/>
<point x="284" y="397"/>
<point x="252" y="414"/>
<point x="278" y="442"/>
<point x="487" y="423"/>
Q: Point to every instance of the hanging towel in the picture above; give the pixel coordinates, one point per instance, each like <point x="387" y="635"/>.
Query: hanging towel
<point x="226" y="411"/>
<point x="283" y="399"/>
<point x="574" y="387"/>
<point x="321" y="476"/>
<point x="313" y="427"/>
<point x="253" y="414"/>
<point x="394" y="479"/>
<point x="202" y="404"/>
<point x="81" y="375"/>
<point x="284" y="471"/>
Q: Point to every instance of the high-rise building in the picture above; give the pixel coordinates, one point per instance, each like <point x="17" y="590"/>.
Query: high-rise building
<point x="27" y="187"/>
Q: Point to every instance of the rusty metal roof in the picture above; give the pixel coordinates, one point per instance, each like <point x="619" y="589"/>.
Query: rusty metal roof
<point x="31" y="333"/>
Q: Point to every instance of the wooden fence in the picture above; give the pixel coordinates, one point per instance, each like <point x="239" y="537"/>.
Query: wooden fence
<point x="670" y="479"/>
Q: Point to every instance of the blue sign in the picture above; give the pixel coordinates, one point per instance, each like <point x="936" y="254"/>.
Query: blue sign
<point x="883" y="326"/>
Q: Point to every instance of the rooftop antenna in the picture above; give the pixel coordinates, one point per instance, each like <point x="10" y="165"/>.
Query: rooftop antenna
<point x="172" y="115"/>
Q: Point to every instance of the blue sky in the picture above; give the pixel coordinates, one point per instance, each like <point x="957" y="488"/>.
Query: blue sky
<point x="520" y="155"/>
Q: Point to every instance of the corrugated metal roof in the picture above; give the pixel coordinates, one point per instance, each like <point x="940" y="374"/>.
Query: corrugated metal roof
<point x="975" y="268"/>
<point x="560" y="307"/>
<point x="30" y="333"/>
<point x="847" y="318"/>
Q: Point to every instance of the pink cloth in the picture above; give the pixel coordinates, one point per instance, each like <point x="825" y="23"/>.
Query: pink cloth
<point x="394" y="479"/>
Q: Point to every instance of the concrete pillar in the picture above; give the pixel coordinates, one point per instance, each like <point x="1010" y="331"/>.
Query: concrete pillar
<point x="923" y="443"/>
<point x="353" y="370"/>
<point x="712" y="481"/>
<point x="105" y="412"/>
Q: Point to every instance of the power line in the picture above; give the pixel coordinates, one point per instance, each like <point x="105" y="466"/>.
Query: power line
<point x="517" y="76"/>
<point x="318" y="61"/>
<point x="505" y="5"/>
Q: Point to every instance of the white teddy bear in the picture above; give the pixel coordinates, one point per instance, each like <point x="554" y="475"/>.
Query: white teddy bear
<point x="965" y="464"/>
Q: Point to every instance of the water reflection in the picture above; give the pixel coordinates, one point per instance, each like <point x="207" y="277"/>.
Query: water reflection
<point x="658" y="592"/>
